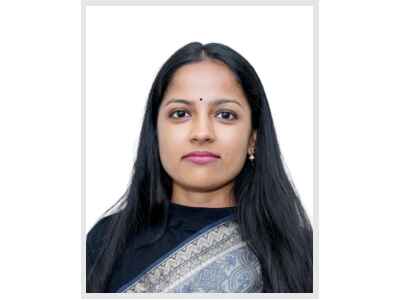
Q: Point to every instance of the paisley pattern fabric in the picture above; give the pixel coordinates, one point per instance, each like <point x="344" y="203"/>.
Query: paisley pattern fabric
<point x="214" y="260"/>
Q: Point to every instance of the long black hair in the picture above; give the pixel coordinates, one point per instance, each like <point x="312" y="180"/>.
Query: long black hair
<point x="270" y="215"/>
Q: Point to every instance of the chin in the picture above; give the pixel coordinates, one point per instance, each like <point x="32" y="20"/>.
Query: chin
<point x="205" y="183"/>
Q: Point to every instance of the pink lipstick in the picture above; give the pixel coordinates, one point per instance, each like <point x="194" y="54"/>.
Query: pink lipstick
<point x="201" y="157"/>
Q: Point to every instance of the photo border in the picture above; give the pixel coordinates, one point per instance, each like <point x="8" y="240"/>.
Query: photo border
<point x="315" y="221"/>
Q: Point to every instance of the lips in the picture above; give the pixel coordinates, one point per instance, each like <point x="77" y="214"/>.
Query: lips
<point x="201" y="157"/>
<point x="201" y="154"/>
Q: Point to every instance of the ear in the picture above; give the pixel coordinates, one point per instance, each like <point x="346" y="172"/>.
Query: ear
<point x="253" y="138"/>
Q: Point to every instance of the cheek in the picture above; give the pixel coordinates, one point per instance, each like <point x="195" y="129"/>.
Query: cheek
<point x="169" y="145"/>
<point x="234" y="145"/>
<point x="170" y="137"/>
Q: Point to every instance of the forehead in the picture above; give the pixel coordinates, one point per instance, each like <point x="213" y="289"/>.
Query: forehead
<point x="206" y="79"/>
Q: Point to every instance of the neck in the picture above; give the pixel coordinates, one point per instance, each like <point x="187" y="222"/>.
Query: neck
<point x="222" y="197"/>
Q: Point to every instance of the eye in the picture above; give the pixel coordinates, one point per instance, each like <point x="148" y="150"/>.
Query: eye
<point x="181" y="113"/>
<point x="225" y="114"/>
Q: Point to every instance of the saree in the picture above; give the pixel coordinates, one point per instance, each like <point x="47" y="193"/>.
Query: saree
<point x="213" y="260"/>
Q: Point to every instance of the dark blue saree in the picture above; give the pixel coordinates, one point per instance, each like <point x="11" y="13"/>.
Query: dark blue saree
<point x="213" y="260"/>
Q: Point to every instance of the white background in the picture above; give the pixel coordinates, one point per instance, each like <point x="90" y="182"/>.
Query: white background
<point x="125" y="52"/>
<point x="40" y="149"/>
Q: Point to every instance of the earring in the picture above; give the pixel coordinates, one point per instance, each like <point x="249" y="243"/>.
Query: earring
<point x="251" y="156"/>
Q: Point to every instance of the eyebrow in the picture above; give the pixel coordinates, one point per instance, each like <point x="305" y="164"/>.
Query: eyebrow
<point x="214" y="102"/>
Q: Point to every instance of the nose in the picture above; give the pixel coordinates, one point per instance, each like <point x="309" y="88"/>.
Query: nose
<point x="202" y="130"/>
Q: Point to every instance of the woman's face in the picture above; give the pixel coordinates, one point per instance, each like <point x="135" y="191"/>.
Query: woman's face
<point x="199" y="123"/>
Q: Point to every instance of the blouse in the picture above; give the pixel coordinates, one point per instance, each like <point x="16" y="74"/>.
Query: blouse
<point x="182" y="223"/>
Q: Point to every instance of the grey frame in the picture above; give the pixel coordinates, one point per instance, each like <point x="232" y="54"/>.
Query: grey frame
<point x="315" y="220"/>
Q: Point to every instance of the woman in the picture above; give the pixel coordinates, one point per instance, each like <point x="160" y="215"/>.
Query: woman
<point x="210" y="207"/>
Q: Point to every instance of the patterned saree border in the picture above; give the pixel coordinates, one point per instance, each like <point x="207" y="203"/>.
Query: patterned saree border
<point x="202" y="231"/>
<point x="210" y="261"/>
<point x="191" y="254"/>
